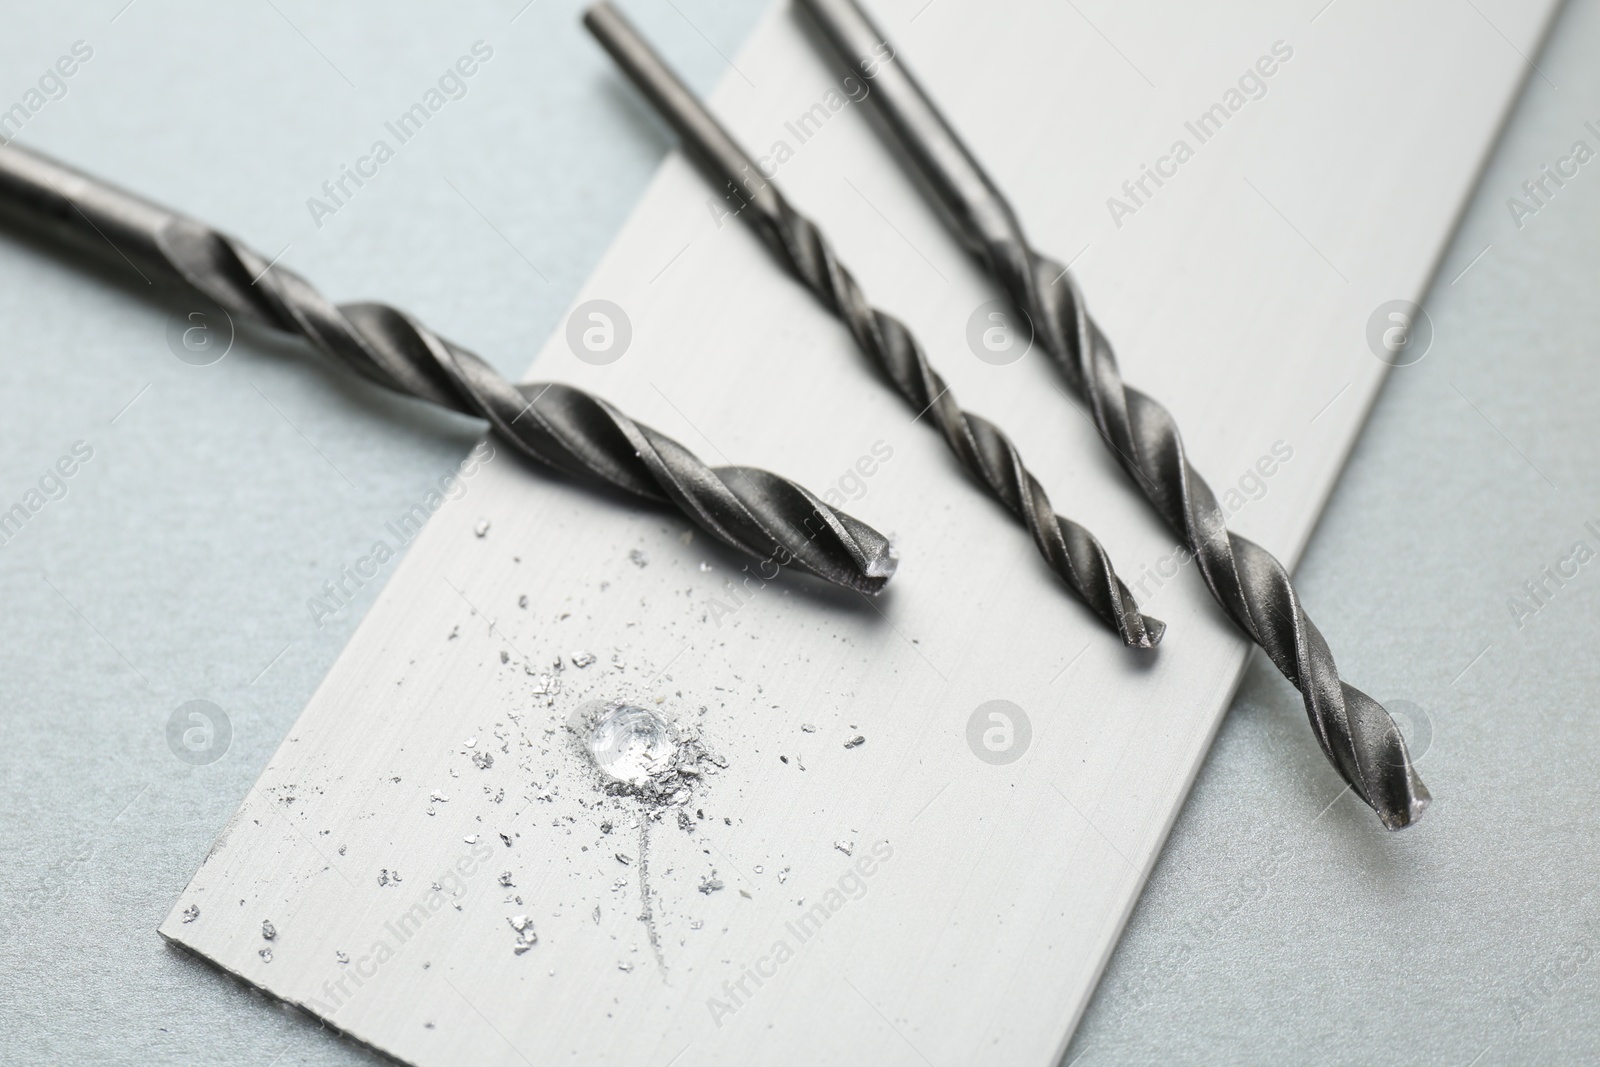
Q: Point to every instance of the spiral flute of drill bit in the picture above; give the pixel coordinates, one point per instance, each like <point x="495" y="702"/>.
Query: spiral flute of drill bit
<point x="1356" y="733"/>
<point x="751" y="510"/>
<point x="1071" y="551"/>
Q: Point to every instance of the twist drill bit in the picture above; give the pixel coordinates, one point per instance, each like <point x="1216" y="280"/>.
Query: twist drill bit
<point x="1357" y="735"/>
<point x="753" y="511"/>
<point x="1072" y="552"/>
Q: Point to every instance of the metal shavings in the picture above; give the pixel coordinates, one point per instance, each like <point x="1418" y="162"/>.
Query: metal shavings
<point x="582" y="659"/>
<point x="526" y="938"/>
<point x="505" y="879"/>
<point x="191" y="913"/>
<point x="482" y="760"/>
<point x="808" y="728"/>
<point x="266" y="955"/>
<point x="710" y="884"/>
<point x="639" y="753"/>
<point x="625" y="967"/>
<point x="506" y="838"/>
<point x="438" y="797"/>
<point x="471" y="839"/>
<point x="847" y="847"/>
<point x="696" y="924"/>
<point x="522" y="601"/>
<point x="471" y="742"/>
<point x="386" y="877"/>
<point x="482" y="529"/>
<point x="341" y="957"/>
<point x="855" y="742"/>
<point x="647" y="914"/>
<point x="268" y="931"/>
<point x="783" y="876"/>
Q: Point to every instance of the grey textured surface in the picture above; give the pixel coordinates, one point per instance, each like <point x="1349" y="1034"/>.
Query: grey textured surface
<point x="1274" y="932"/>
<point x="1280" y="926"/>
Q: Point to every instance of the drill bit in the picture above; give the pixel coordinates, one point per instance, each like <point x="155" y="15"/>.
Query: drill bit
<point x="1357" y="735"/>
<point x="756" y="512"/>
<point x="1071" y="551"/>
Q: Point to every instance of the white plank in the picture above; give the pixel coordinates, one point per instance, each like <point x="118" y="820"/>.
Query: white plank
<point x="1238" y="295"/>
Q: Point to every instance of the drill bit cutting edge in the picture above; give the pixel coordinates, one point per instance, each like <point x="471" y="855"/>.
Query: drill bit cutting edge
<point x="751" y="510"/>
<point x="1071" y="551"/>
<point x="1356" y="733"/>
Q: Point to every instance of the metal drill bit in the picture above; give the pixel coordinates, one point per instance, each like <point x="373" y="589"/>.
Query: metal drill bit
<point x="1072" y="552"/>
<point x="754" y="511"/>
<point x="1357" y="735"/>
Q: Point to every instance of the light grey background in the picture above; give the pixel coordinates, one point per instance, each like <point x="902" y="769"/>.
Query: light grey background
<point x="178" y="563"/>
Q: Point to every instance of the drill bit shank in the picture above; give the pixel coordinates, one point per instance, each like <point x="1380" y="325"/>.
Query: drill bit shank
<point x="1071" y="551"/>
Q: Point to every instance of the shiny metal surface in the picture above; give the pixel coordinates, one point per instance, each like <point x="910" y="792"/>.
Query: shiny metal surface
<point x="1072" y="552"/>
<point x="754" y="511"/>
<point x="1356" y="734"/>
